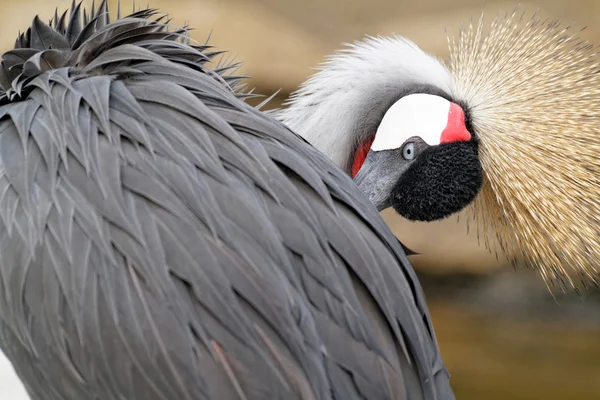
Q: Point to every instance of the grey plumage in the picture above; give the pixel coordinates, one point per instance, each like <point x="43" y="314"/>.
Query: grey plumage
<point x="161" y="239"/>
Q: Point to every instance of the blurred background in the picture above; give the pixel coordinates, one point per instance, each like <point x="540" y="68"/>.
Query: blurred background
<point x="502" y="334"/>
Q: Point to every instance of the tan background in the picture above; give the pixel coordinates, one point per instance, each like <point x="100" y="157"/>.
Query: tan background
<point x="280" y="40"/>
<point x="501" y="334"/>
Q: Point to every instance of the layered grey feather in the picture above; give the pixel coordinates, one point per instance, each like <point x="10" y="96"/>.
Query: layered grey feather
<point x="161" y="239"/>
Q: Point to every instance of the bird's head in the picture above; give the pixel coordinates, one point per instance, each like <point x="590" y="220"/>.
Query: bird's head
<point x="509" y="128"/>
<point x="422" y="160"/>
<point x="383" y="110"/>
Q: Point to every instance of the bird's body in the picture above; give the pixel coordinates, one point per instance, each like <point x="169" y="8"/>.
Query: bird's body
<point x="161" y="239"/>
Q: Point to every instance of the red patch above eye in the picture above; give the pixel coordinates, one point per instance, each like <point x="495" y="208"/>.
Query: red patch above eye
<point x="455" y="130"/>
<point x="361" y="155"/>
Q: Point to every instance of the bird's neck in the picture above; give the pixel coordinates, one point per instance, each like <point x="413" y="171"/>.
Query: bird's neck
<point x="341" y="105"/>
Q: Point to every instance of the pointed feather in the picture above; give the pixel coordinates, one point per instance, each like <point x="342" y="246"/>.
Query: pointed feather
<point x="44" y="37"/>
<point x="74" y="25"/>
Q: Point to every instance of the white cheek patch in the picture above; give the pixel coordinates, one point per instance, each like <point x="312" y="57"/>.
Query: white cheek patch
<point x="422" y="115"/>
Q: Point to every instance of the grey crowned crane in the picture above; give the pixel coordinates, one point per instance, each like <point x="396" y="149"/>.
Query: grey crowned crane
<point x="160" y="239"/>
<point x="509" y="128"/>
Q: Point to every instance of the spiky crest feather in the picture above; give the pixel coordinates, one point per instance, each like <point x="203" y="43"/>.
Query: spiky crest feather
<point x="533" y="90"/>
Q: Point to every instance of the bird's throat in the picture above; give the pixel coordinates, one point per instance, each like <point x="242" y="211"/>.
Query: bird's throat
<point x="361" y="155"/>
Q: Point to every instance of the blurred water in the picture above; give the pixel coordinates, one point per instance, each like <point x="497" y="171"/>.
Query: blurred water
<point x="504" y="358"/>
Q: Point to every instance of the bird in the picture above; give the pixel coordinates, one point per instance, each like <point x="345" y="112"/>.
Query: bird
<point x="507" y="129"/>
<point x="160" y="238"/>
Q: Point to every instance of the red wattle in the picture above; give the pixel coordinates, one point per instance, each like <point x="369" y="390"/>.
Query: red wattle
<point x="361" y="155"/>
<point x="455" y="130"/>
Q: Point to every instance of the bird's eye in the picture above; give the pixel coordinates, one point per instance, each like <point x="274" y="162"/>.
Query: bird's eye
<point x="408" y="151"/>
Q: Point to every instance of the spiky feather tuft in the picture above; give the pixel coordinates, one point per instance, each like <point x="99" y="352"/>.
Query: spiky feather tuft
<point x="533" y="90"/>
<point x="74" y="41"/>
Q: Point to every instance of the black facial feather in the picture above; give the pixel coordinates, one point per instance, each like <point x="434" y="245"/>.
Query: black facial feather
<point x="443" y="180"/>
